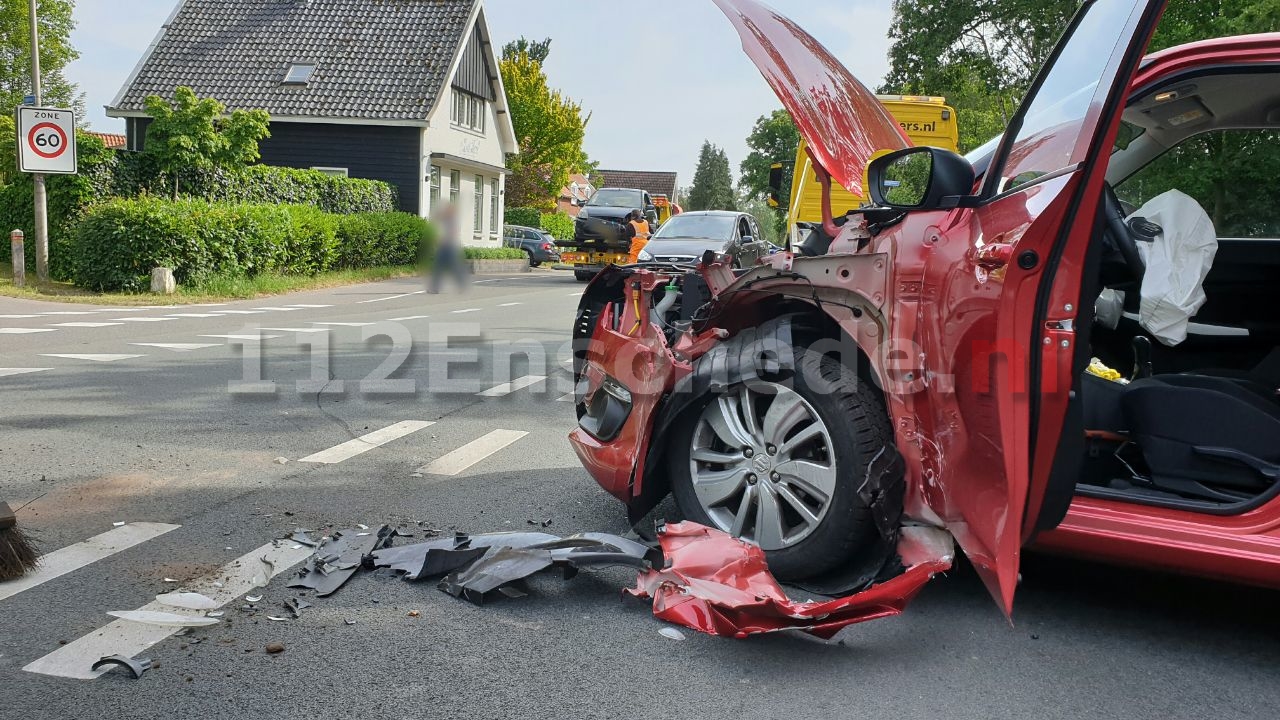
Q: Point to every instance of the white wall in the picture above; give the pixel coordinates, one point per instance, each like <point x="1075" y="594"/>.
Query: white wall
<point x="485" y="149"/>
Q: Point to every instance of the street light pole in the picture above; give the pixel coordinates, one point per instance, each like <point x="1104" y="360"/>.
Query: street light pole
<point x="41" y="195"/>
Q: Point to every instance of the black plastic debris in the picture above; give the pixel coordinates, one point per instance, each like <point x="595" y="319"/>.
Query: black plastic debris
<point x="301" y="537"/>
<point x="338" y="558"/>
<point x="444" y="555"/>
<point x="498" y="569"/>
<point x="296" y="606"/>
<point x="137" y="667"/>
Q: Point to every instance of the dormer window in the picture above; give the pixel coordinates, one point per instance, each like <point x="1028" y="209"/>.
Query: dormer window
<point x="469" y="111"/>
<point x="299" y="73"/>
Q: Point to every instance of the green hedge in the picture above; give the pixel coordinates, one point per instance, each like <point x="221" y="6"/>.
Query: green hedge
<point x="68" y="197"/>
<point x="502" y="253"/>
<point x="119" y="242"/>
<point x="265" y="184"/>
<point x="560" y="225"/>
<point x="524" y="216"/>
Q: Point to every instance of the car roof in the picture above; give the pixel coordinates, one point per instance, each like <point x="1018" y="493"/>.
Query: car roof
<point x="711" y="213"/>
<point x="524" y="227"/>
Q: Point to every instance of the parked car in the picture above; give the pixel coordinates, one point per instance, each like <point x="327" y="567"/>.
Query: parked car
<point x="538" y="244"/>
<point x="686" y="237"/>
<point x="944" y="364"/>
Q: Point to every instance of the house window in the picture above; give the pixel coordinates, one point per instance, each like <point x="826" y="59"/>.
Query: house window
<point x="493" y="207"/>
<point x="478" y="210"/>
<point x="435" y="187"/>
<point x="299" y="73"/>
<point x="455" y="186"/>
<point x="469" y="111"/>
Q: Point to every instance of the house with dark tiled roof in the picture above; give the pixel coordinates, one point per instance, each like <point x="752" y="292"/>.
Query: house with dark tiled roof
<point x="405" y="91"/>
<point x="654" y="183"/>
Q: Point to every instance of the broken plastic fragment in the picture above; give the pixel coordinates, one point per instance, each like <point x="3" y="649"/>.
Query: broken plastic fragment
<point x="170" y="580"/>
<point x="163" y="619"/>
<point x="253" y="598"/>
<point x="670" y="632"/>
<point x="263" y="577"/>
<point x="215" y="614"/>
<point x="118" y="524"/>
<point x="273" y="618"/>
<point x="137" y="667"/>
<point x="187" y="601"/>
<point x="296" y="606"/>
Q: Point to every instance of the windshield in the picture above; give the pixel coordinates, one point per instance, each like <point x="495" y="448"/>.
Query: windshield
<point x="618" y="198"/>
<point x="716" y="227"/>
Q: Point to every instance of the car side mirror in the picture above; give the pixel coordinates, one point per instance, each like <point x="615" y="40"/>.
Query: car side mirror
<point x="651" y="215"/>
<point x="920" y="178"/>
<point x="775" y="185"/>
<point x="747" y="239"/>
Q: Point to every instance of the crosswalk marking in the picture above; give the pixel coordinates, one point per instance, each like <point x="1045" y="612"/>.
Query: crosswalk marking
<point x="17" y="317"/>
<point x="6" y="372"/>
<point x="178" y="347"/>
<point x="310" y="307"/>
<point x="23" y="331"/>
<point x="73" y="557"/>
<point x="196" y="315"/>
<point x="278" y="309"/>
<point x="345" y="324"/>
<point x="88" y="324"/>
<point x="510" y="304"/>
<point x="407" y="319"/>
<point x="95" y="357"/>
<point x="241" y="312"/>
<point x="365" y="443"/>
<point x="462" y="459"/>
<point x="468" y="310"/>
<point x="507" y="388"/>
<point x="567" y="398"/>
<point x="144" y="319"/>
<point x="243" y="337"/>
<point x="223" y="586"/>
<point x="298" y="330"/>
<point x="71" y="312"/>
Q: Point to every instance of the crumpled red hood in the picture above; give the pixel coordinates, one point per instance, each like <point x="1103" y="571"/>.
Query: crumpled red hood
<point x="841" y="120"/>
<point x="720" y="585"/>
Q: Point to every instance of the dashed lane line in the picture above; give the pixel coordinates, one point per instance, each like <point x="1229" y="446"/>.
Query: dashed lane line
<point x="87" y="324"/>
<point x="72" y="312"/>
<point x="75" y="659"/>
<point x="7" y="372"/>
<point x="468" y="310"/>
<point x="144" y="319"/>
<point x="73" y="557"/>
<point x="23" y="331"/>
<point x="242" y="312"/>
<point x="94" y="357"/>
<point x="392" y="297"/>
<point x="310" y="307"/>
<point x="465" y="457"/>
<point x="17" y="317"/>
<point x="507" y="388"/>
<point x="513" y="304"/>
<point x="179" y="347"/>
<point x="197" y="315"/>
<point x="298" y="330"/>
<point x="277" y="309"/>
<point x="365" y="443"/>
<point x="407" y="319"/>
<point x="243" y="337"/>
<point x="345" y="324"/>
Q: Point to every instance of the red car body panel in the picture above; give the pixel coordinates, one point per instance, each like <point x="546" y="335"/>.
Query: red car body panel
<point x="840" y="118"/>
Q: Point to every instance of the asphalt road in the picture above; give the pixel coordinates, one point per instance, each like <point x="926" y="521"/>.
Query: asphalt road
<point x="158" y="425"/>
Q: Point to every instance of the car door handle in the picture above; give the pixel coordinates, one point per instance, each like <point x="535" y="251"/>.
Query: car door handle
<point x="993" y="256"/>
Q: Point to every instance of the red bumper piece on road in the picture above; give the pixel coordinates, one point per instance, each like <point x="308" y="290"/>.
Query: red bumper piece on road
<point x="720" y="585"/>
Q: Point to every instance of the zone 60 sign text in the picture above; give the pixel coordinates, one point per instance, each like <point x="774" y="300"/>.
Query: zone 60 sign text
<point x="46" y="140"/>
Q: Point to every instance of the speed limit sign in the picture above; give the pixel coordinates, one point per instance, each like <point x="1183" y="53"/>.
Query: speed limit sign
<point x="46" y="140"/>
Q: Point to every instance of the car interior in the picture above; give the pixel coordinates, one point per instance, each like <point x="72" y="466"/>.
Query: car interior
<point x="1191" y="423"/>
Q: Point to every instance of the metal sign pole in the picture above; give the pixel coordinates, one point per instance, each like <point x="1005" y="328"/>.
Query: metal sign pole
<point x="41" y="196"/>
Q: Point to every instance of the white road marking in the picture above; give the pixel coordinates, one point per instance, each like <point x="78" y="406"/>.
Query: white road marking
<point x="575" y="294"/>
<point x="468" y="310"/>
<point x="365" y="443"/>
<point x="298" y="330"/>
<point x="73" y="557"/>
<point x="300" y="305"/>
<point x="178" y="347"/>
<point x="277" y="309"/>
<point x="510" y="304"/>
<point x="243" y="337"/>
<point x="196" y="315"/>
<point x="407" y="319"/>
<point x="345" y="324"/>
<point x="567" y="398"/>
<point x="159" y="307"/>
<point x="393" y="297"/>
<point x="23" y="331"/>
<point x="463" y="458"/>
<point x="87" y="324"/>
<point x="241" y="312"/>
<point x="95" y="357"/>
<point x="223" y="586"/>
<point x="144" y="319"/>
<point x="71" y="312"/>
<point x="507" y="388"/>
<point x="6" y="372"/>
<point x="17" y="317"/>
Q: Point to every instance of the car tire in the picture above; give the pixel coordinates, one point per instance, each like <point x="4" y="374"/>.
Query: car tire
<point x="854" y="429"/>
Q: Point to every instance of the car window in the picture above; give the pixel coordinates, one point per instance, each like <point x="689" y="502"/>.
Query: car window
<point x="1231" y="173"/>
<point x="616" y="198"/>
<point x="1059" y="120"/>
<point x="714" y="227"/>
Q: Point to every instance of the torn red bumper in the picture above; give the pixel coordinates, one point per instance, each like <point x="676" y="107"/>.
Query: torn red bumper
<point x="720" y="585"/>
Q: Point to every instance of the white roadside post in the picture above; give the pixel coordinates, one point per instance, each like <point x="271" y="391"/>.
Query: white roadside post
<point x="19" y="256"/>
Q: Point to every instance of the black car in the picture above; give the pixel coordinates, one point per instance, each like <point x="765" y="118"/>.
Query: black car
<point x="687" y="236"/>
<point x="539" y="244"/>
<point x="601" y="224"/>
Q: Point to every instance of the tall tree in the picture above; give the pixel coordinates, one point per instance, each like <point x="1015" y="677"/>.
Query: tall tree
<point x="712" y="181"/>
<point x="191" y="133"/>
<point x="55" y="25"/>
<point x="549" y="127"/>
<point x="773" y="139"/>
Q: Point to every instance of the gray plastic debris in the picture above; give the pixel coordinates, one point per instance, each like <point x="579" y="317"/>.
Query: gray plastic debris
<point x="338" y="558"/>
<point x="253" y="598"/>
<point x="137" y="667"/>
<point x="187" y="601"/>
<point x="263" y="577"/>
<point x="296" y="606"/>
<point x="164" y="619"/>
<point x="670" y="632"/>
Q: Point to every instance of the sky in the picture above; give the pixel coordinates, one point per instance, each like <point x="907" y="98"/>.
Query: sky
<point x="658" y="76"/>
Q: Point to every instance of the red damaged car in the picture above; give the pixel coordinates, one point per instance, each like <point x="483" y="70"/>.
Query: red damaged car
<point x="938" y="362"/>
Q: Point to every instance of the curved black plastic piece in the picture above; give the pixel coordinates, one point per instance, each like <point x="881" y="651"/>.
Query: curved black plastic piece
<point x="137" y="667"/>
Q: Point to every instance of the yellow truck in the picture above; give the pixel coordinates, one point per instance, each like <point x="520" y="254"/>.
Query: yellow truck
<point x="926" y="120"/>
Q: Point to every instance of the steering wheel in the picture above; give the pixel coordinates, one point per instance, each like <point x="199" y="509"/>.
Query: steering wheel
<point x="1120" y="234"/>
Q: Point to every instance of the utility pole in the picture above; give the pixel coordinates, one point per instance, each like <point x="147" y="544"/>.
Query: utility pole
<point x="41" y="196"/>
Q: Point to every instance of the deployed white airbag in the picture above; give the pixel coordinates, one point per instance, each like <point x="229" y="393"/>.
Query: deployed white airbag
<point x="1177" y="264"/>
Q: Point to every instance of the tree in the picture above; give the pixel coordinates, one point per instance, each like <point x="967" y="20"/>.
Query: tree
<point x="536" y="50"/>
<point x="549" y="127"/>
<point x="773" y="139"/>
<point x="712" y="181"/>
<point x="193" y="134"/>
<point x="55" y="24"/>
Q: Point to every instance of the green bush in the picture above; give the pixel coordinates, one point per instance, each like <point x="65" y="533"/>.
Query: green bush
<point x="560" y="225"/>
<point x="118" y="243"/>
<point x="139" y="174"/>
<point x="502" y="253"/>
<point x="68" y="198"/>
<point x="524" y="216"/>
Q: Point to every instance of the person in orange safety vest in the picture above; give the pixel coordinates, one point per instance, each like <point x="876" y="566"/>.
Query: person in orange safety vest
<point x="639" y="234"/>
